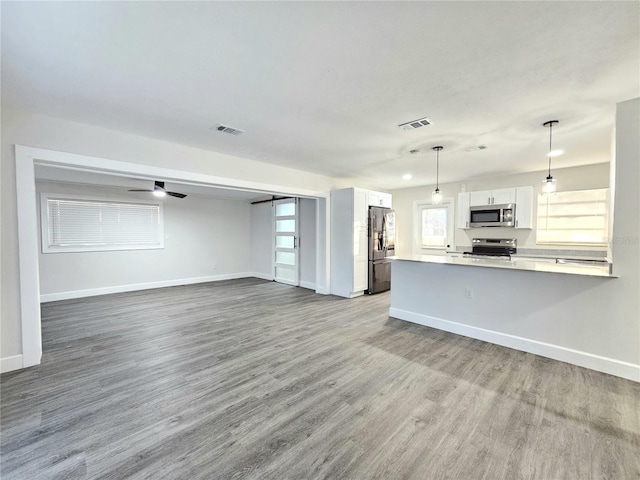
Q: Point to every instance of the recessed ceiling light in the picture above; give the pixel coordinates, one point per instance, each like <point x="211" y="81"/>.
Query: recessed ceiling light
<point x="407" y="176"/>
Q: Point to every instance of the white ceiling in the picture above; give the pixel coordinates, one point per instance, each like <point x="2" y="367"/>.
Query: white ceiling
<point x="322" y="86"/>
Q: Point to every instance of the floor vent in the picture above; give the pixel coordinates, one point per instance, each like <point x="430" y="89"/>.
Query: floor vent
<point x="413" y="124"/>
<point x="225" y="129"/>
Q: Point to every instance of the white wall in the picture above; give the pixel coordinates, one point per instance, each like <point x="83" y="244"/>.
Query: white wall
<point x="307" y="243"/>
<point x="35" y="130"/>
<point x="261" y="240"/>
<point x="589" y="321"/>
<point x="199" y="233"/>
<point x="575" y="178"/>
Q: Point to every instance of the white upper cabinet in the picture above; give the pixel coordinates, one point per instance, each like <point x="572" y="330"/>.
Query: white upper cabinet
<point x="462" y="217"/>
<point x="492" y="197"/>
<point x="477" y="199"/>
<point x="524" y="207"/>
<point x="379" y="199"/>
<point x="503" y="195"/>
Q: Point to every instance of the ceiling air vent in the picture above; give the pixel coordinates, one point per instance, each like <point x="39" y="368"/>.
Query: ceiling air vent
<point x="225" y="129"/>
<point x="413" y="124"/>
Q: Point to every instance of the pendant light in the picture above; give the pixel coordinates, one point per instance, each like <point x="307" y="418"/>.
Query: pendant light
<point x="436" y="196"/>
<point x="549" y="184"/>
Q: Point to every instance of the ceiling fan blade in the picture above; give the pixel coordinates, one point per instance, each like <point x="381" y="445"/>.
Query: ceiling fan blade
<point x="159" y="187"/>
<point x="175" y="194"/>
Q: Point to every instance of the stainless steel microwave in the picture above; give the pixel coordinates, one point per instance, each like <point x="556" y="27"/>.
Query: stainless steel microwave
<point x="493" y="215"/>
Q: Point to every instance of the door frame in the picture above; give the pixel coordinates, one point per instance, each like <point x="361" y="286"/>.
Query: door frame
<point x="26" y="159"/>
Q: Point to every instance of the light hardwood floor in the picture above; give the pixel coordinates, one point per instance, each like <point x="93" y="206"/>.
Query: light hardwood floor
<point x="254" y="379"/>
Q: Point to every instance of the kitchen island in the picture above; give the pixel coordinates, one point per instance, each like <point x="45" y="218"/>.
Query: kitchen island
<point x="553" y="310"/>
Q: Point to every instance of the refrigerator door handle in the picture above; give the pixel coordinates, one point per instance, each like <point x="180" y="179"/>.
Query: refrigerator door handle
<point x="384" y="235"/>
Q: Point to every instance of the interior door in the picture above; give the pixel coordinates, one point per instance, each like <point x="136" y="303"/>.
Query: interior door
<point x="286" y="241"/>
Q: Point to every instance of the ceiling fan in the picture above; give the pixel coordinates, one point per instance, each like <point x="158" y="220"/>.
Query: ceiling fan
<point x="160" y="191"/>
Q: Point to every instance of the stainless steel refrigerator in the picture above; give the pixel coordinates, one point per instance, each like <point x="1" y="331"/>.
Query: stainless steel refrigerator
<point x="381" y="247"/>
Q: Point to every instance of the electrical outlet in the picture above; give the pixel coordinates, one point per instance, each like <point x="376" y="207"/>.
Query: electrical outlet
<point x="215" y="265"/>
<point x="468" y="293"/>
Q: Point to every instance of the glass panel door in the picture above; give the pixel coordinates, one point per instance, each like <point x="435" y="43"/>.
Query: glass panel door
<point x="285" y="242"/>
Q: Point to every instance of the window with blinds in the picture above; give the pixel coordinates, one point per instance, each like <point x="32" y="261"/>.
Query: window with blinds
<point x="574" y="218"/>
<point x="80" y="224"/>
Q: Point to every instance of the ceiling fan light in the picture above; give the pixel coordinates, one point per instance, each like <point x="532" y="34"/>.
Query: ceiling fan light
<point x="159" y="193"/>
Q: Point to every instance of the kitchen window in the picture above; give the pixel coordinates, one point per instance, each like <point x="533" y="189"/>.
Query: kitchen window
<point x="578" y="217"/>
<point x="83" y="224"/>
<point x="433" y="226"/>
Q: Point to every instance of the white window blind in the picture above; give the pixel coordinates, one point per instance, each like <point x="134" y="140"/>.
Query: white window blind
<point x="573" y="218"/>
<point x="75" y="224"/>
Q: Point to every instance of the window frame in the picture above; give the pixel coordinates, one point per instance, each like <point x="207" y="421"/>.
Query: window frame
<point x="418" y="206"/>
<point x="44" y="224"/>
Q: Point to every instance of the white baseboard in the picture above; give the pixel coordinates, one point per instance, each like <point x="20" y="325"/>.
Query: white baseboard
<point x="92" y="292"/>
<point x="9" y="364"/>
<point x="309" y="285"/>
<point x="263" y="276"/>
<point x="611" y="366"/>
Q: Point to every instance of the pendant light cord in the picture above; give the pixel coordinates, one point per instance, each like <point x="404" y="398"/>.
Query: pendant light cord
<point x="437" y="169"/>
<point x="550" y="134"/>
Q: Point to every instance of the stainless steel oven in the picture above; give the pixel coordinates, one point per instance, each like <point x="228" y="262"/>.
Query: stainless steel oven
<point x="493" y="215"/>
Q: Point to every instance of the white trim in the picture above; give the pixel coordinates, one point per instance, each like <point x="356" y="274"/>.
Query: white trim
<point x="263" y="276"/>
<point x="8" y="364"/>
<point x="28" y="256"/>
<point x="92" y="292"/>
<point x="323" y="225"/>
<point x="309" y="285"/>
<point x="582" y="359"/>
<point x="27" y="157"/>
<point x="127" y="169"/>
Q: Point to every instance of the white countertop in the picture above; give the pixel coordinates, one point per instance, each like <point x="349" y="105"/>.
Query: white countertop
<point x="515" y="264"/>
